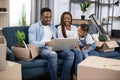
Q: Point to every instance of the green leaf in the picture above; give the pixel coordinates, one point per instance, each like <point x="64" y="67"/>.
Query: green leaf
<point x="20" y="36"/>
<point x="84" y="5"/>
<point x="102" y="37"/>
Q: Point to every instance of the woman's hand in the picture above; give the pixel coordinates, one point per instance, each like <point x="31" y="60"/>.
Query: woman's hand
<point x="49" y="43"/>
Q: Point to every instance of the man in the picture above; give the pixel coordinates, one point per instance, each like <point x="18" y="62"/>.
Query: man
<point x="41" y="34"/>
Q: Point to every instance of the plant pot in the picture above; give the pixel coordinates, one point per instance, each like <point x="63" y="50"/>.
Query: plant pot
<point x="25" y="53"/>
<point x="82" y="17"/>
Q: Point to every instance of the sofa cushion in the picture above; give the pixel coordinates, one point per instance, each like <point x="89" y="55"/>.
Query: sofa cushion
<point x="10" y="55"/>
<point x="109" y="54"/>
<point x="9" y="33"/>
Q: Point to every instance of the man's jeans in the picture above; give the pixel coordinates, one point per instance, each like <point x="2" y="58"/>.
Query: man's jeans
<point x="67" y="56"/>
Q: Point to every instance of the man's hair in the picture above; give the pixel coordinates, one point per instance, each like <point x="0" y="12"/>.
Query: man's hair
<point x="84" y="27"/>
<point x="44" y="10"/>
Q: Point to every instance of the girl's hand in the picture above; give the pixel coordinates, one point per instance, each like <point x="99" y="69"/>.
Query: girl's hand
<point x="77" y="46"/>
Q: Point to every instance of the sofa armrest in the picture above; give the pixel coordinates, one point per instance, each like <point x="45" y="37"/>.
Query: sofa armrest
<point x="10" y="55"/>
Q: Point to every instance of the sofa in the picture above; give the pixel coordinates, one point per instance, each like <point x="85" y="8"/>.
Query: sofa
<point x="36" y="68"/>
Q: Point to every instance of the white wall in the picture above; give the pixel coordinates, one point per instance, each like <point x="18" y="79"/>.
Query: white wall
<point x="76" y="11"/>
<point x="116" y="22"/>
<point x="63" y="5"/>
<point x="60" y="6"/>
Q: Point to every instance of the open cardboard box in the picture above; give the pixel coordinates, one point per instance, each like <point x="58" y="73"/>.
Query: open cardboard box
<point x="109" y="45"/>
<point x="12" y="72"/>
<point x="106" y="46"/>
<point x="25" y="53"/>
<point x="98" y="68"/>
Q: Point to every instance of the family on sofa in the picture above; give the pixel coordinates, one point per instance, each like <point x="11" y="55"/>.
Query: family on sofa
<point x="42" y="33"/>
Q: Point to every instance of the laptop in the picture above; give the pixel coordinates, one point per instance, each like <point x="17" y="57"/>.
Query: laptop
<point x="64" y="44"/>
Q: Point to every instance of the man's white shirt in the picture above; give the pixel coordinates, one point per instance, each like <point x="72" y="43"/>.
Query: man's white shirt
<point x="47" y="34"/>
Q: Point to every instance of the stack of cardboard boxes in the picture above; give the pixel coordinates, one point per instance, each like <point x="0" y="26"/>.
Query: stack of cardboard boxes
<point x="8" y="70"/>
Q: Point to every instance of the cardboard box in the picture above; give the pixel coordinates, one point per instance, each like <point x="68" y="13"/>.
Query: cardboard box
<point x="109" y="45"/>
<point x="26" y="53"/>
<point x="106" y="46"/>
<point x="2" y="53"/>
<point x="98" y="68"/>
<point x="12" y="72"/>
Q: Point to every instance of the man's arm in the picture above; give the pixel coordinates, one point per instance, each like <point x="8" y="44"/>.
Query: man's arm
<point x="33" y="36"/>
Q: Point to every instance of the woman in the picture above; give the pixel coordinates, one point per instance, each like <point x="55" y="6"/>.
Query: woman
<point x="66" y="30"/>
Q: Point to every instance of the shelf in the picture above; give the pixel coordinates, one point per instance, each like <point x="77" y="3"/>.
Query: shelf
<point x="106" y="23"/>
<point x="105" y="4"/>
<point x="79" y="21"/>
<point x="4" y="12"/>
<point x="79" y="1"/>
<point x="115" y="17"/>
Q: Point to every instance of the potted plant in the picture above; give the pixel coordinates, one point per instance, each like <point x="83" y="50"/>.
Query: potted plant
<point x="22" y="50"/>
<point x="102" y="37"/>
<point x="20" y="37"/>
<point x="84" y="5"/>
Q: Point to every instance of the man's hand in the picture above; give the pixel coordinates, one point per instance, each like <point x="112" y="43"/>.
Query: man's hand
<point x="49" y="43"/>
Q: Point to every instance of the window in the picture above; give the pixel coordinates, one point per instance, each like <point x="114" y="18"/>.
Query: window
<point x="16" y="11"/>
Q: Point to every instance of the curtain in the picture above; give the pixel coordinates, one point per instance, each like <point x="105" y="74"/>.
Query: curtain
<point x="36" y="6"/>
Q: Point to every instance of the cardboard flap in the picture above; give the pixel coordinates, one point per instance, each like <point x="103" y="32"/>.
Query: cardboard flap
<point x="99" y="44"/>
<point x="2" y="40"/>
<point x="95" y="37"/>
<point x="34" y="50"/>
<point x="112" y="44"/>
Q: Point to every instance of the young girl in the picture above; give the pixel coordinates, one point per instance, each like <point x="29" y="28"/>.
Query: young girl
<point x="86" y="43"/>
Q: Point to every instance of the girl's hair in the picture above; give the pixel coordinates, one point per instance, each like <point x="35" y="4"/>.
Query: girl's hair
<point x="84" y="27"/>
<point x="63" y="24"/>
